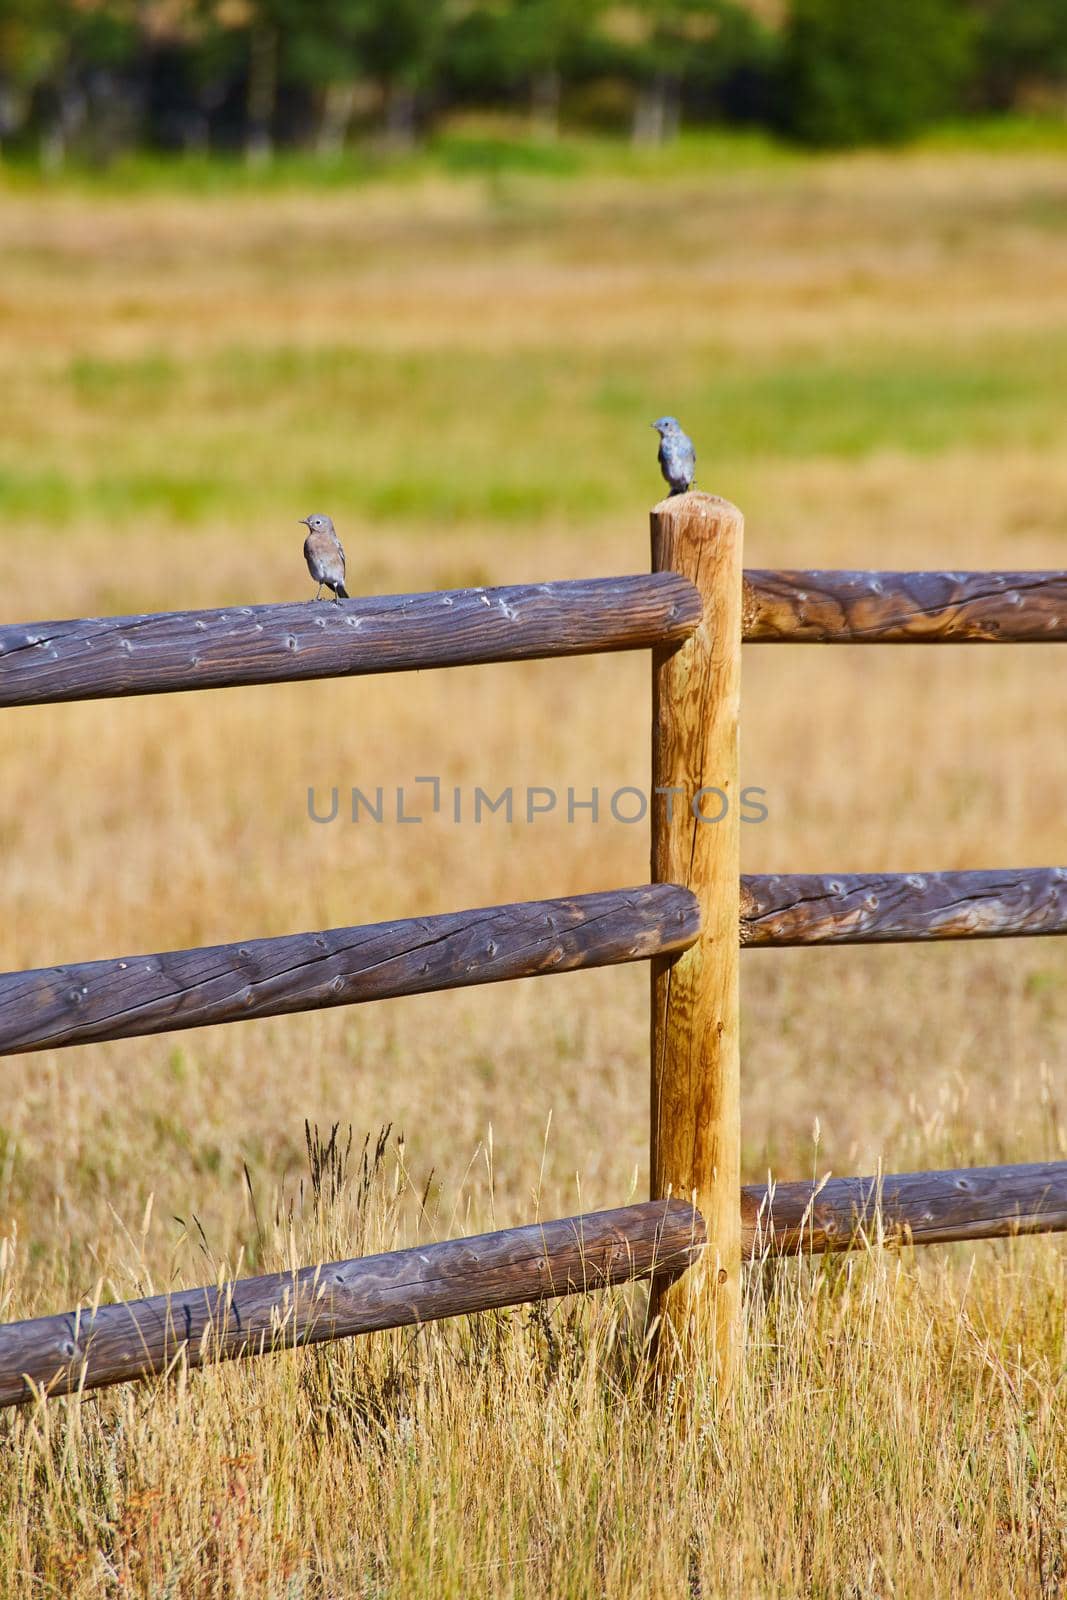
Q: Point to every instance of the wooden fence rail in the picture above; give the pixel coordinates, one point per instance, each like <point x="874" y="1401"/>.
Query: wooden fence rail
<point x="91" y="1348"/>
<point x="97" y="1346"/>
<point x="104" y="657"/>
<point x="916" y="1207"/>
<point x="901" y="907"/>
<point x="92" y="1001"/>
<point x="905" y="607"/>
<point x="137" y="995"/>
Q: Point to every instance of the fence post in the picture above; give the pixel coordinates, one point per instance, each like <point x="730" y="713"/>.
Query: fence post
<point x="695" y="1100"/>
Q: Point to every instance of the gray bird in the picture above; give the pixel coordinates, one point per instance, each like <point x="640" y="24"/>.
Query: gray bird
<point x="677" y="458"/>
<point x="324" y="556"/>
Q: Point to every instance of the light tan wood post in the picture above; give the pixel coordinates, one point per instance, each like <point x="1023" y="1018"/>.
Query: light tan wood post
<point x="695" y="1009"/>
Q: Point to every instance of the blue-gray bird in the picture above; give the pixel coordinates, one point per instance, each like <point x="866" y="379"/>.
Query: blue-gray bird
<point x="324" y="556"/>
<point x="677" y="458"/>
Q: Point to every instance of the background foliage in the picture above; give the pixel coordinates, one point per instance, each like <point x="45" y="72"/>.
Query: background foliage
<point x="90" y="78"/>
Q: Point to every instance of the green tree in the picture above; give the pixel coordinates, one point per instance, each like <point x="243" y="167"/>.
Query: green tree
<point x="1023" y="49"/>
<point x="62" y="63"/>
<point x="699" y="46"/>
<point x="333" y="45"/>
<point x="854" y="73"/>
<point x="400" y="42"/>
<point x="530" y="47"/>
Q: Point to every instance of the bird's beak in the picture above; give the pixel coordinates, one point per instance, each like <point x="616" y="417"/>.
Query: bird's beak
<point x="303" y="522"/>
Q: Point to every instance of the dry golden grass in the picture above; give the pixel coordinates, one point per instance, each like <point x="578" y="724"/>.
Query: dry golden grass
<point x="871" y="353"/>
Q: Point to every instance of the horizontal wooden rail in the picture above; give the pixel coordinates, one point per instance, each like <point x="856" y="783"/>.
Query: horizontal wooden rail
<point x="122" y="999"/>
<point x="137" y="995"/>
<point x="917" y="1207"/>
<point x="905" y="607"/>
<point x="900" y="907"/>
<point x="91" y="1348"/>
<point x="103" y="657"/>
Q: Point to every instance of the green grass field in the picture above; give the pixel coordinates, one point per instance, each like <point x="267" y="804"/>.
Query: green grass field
<point x="459" y="361"/>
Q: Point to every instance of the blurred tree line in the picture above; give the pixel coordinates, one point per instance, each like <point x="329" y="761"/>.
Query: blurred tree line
<point x="94" y="77"/>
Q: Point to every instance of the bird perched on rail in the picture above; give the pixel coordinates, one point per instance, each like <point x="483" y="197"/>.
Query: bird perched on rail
<point x="324" y="556"/>
<point x="677" y="458"/>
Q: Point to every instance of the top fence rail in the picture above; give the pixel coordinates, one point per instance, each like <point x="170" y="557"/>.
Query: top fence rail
<point x="107" y="657"/>
<point x="905" y="607"/>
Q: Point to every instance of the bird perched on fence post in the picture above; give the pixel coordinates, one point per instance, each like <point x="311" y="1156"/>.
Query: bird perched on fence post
<point x="677" y="458"/>
<point x="324" y="556"/>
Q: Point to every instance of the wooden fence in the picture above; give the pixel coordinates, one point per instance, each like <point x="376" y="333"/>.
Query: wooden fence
<point x="693" y="611"/>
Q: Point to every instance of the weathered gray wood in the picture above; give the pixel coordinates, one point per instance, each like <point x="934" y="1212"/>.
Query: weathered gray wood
<point x="137" y="995"/>
<point x="133" y="1339"/>
<point x="102" y="657"/>
<point x="89" y="1349"/>
<point x="899" y="907"/>
<point x="919" y="1207"/>
<point x="905" y="607"/>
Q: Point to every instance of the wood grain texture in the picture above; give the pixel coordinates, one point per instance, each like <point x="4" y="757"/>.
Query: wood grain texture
<point x="916" y="1207"/>
<point x="91" y="1348"/>
<point x="695" y="1062"/>
<point x="905" y="607"/>
<point x="134" y="1339"/>
<point x="342" y="966"/>
<point x="901" y="907"/>
<point x="103" y="657"/>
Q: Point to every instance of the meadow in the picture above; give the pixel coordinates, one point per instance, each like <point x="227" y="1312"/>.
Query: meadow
<point x="460" y="366"/>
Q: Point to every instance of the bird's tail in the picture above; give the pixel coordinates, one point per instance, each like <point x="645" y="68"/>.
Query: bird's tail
<point x="342" y="593"/>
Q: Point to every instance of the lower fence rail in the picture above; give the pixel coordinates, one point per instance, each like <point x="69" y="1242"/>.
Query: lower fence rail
<point x="911" y="1207"/>
<point x="98" y="1346"/>
<point x="134" y="1339"/>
